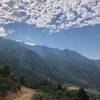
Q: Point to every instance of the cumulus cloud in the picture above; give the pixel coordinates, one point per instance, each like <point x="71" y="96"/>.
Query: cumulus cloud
<point x="52" y="14"/>
<point x="2" y="32"/>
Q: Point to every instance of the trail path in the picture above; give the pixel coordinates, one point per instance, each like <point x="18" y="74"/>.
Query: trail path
<point x="26" y="94"/>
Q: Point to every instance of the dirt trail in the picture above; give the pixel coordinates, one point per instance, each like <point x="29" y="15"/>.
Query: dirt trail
<point x="26" y="94"/>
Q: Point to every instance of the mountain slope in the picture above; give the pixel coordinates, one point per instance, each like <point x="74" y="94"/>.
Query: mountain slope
<point x="24" y="61"/>
<point x="26" y="94"/>
<point x="40" y="62"/>
<point x="76" y="68"/>
<point x="97" y="62"/>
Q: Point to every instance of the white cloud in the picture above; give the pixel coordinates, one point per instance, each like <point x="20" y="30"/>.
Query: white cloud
<point x="11" y="31"/>
<point x="28" y="43"/>
<point x="53" y="14"/>
<point x="19" y="41"/>
<point x="2" y="32"/>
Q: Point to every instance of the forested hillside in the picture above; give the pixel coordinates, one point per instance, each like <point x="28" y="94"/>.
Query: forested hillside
<point x="59" y="66"/>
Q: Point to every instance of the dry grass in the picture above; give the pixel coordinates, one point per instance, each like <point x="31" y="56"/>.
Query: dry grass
<point x="25" y="94"/>
<point x="10" y="96"/>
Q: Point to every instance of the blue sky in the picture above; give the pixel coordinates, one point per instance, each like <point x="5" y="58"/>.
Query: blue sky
<point x="85" y="40"/>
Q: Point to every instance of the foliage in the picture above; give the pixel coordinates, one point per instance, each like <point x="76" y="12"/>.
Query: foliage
<point x="51" y="91"/>
<point x="82" y="94"/>
<point x="8" y="81"/>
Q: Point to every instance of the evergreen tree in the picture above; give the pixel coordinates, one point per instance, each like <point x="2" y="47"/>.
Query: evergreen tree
<point x="82" y="94"/>
<point x="4" y="71"/>
<point x="8" y="81"/>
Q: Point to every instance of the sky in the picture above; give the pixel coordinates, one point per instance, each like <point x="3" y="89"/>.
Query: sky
<point x="71" y="24"/>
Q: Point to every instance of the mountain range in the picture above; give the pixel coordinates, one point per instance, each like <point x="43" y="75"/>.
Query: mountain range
<point x="41" y="62"/>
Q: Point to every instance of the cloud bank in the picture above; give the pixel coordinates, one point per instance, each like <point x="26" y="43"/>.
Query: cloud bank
<point x="52" y="14"/>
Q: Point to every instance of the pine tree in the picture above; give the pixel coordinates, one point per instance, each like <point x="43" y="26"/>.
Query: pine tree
<point x="82" y="94"/>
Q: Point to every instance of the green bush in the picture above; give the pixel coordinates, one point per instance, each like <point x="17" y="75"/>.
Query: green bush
<point x="8" y="81"/>
<point x="50" y="91"/>
<point x="82" y="94"/>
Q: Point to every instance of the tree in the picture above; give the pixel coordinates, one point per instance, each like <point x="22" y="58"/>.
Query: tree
<point x="8" y="82"/>
<point x="82" y="94"/>
<point x="4" y="71"/>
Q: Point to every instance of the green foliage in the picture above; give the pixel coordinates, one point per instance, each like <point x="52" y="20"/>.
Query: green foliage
<point x="4" y="71"/>
<point x="46" y="86"/>
<point x="59" y="95"/>
<point x="8" y="81"/>
<point x="51" y="91"/>
<point x="47" y="89"/>
<point x="82" y="94"/>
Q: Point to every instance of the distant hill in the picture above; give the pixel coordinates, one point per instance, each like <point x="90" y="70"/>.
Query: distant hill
<point x="76" y="68"/>
<point x="40" y="62"/>
<point x="97" y="62"/>
<point x="24" y="61"/>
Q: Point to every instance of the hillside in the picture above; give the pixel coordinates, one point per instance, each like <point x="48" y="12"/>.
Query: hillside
<point x="76" y="68"/>
<point x="97" y="62"/>
<point x="23" y="61"/>
<point x="40" y="62"/>
<point x="26" y="94"/>
<point x="12" y="87"/>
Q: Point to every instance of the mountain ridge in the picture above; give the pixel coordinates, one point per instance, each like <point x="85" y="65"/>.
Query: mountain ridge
<point x="41" y="62"/>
